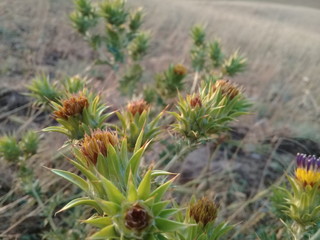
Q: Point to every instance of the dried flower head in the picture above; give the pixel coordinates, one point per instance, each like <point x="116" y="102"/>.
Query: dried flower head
<point x="204" y="211"/>
<point x="308" y="169"/>
<point x="226" y="88"/>
<point x="72" y="107"/>
<point x="179" y="69"/>
<point x="137" y="218"/>
<point x="137" y="107"/>
<point x="195" y="101"/>
<point x="97" y="143"/>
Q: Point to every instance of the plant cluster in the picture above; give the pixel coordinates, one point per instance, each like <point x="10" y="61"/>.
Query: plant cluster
<point x="129" y="196"/>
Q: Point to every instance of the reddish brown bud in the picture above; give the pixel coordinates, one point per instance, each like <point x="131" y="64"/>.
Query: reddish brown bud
<point x="137" y="107"/>
<point x="204" y="211"/>
<point x="97" y="143"/>
<point x="179" y="69"/>
<point x="71" y="107"/>
<point x="137" y="218"/>
<point x="226" y="88"/>
<point x="195" y="101"/>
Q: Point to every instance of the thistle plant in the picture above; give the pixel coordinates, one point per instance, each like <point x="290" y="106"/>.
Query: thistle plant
<point x="208" y="57"/>
<point x="201" y="217"/>
<point x="74" y="84"/>
<point x="122" y="36"/>
<point x="9" y="148"/>
<point x="43" y="90"/>
<point x="300" y="202"/>
<point x="127" y="204"/>
<point x="208" y="113"/>
<point x="171" y="81"/>
<point x="136" y="119"/>
<point x="128" y="196"/>
<point x="30" y="143"/>
<point x="79" y="114"/>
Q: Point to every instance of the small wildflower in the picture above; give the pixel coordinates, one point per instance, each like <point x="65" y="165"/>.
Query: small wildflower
<point x="308" y="169"/>
<point x="137" y="218"/>
<point x="179" y="69"/>
<point x="137" y="107"/>
<point x="97" y="143"/>
<point x="72" y="107"/>
<point x="195" y="101"/>
<point x="204" y="211"/>
<point x="226" y="88"/>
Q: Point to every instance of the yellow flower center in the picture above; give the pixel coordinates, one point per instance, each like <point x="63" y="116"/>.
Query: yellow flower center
<point x="308" y="177"/>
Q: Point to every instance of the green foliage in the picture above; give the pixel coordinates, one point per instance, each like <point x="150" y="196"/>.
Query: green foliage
<point x="74" y="84"/>
<point x="208" y="114"/>
<point x="9" y="148"/>
<point x="301" y="203"/>
<point x="118" y="192"/>
<point x="234" y="65"/>
<point x="139" y="46"/>
<point x="84" y="17"/>
<point x="75" y="124"/>
<point x="130" y="80"/>
<point x="198" y="35"/>
<point x="30" y="142"/>
<point x="114" y="12"/>
<point x="121" y="37"/>
<point x="216" y="54"/>
<point x="205" y="55"/>
<point x="171" y="81"/>
<point x="43" y="90"/>
<point x="132" y="125"/>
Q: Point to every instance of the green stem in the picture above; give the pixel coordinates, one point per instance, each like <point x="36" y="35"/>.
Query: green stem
<point x="195" y="81"/>
<point x="186" y="149"/>
<point x="297" y="231"/>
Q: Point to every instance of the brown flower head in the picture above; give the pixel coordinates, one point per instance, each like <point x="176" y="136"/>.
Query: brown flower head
<point x="137" y="107"/>
<point x="137" y="218"/>
<point x="204" y="211"/>
<point x="227" y="88"/>
<point x="179" y="69"/>
<point x="97" y="143"/>
<point x="195" y="101"/>
<point x="72" y="107"/>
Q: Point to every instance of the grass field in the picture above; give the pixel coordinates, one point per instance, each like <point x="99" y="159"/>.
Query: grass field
<point x="280" y="39"/>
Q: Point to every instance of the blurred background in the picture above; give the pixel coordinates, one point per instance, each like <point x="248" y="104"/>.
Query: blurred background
<point x="279" y="38"/>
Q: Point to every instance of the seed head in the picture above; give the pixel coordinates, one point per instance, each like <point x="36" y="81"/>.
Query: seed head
<point x="137" y="218"/>
<point x="204" y="211"/>
<point x="195" y="101"/>
<point x="97" y="143"/>
<point x="308" y="169"/>
<point x="179" y="69"/>
<point x="137" y="107"/>
<point x="226" y="88"/>
<point x="72" y="107"/>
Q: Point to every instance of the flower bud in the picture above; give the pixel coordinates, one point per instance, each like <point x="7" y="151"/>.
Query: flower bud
<point x="204" y="211"/>
<point x="72" y="107"/>
<point x="137" y="107"/>
<point x="179" y="69"/>
<point x="226" y="88"/>
<point x="97" y="143"/>
<point x="137" y="218"/>
<point x="195" y="101"/>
